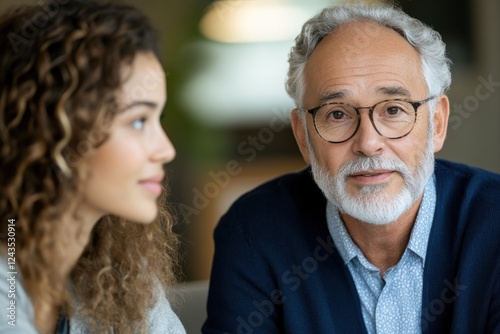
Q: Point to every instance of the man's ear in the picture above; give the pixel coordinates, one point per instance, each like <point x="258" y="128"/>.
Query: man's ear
<point x="300" y="134"/>
<point x="441" y="116"/>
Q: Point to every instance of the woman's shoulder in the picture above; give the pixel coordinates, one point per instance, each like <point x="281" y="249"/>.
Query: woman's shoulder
<point x="162" y="319"/>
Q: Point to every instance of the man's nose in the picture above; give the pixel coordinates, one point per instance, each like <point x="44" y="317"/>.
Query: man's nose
<point x="367" y="141"/>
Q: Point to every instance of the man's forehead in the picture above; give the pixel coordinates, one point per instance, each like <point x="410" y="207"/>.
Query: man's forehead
<point x="363" y="35"/>
<point x="362" y="56"/>
<point x="362" y="42"/>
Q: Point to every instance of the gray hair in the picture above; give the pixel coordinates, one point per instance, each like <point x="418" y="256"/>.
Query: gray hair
<point x="426" y="41"/>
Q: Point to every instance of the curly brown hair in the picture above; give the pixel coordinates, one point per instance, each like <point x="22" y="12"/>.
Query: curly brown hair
<point x="61" y="67"/>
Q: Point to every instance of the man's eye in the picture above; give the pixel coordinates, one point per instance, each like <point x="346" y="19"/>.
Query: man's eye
<point x="336" y="114"/>
<point x="393" y="111"/>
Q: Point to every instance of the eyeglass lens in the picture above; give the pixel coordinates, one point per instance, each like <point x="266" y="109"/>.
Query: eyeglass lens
<point x="337" y="122"/>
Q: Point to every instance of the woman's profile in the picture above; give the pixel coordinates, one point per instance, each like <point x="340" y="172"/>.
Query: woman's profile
<point x="86" y="235"/>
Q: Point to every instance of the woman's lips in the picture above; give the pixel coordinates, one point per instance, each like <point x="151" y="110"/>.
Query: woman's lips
<point x="153" y="184"/>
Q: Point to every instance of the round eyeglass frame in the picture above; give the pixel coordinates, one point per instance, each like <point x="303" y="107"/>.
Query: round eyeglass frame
<point x="414" y="104"/>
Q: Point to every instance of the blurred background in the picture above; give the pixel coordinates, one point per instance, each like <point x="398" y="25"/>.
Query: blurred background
<point x="227" y="110"/>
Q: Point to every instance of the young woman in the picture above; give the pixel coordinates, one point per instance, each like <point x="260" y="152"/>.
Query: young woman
<point x="87" y="242"/>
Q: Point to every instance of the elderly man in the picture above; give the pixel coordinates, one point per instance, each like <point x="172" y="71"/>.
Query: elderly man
<point x="377" y="236"/>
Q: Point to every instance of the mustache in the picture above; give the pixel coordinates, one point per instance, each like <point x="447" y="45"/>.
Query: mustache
<point x="361" y="163"/>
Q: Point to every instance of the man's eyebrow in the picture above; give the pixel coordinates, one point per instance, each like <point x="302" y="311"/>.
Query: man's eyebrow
<point x="395" y="91"/>
<point x="337" y="95"/>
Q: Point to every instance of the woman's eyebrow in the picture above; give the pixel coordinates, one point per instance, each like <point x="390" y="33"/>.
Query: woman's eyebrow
<point x="149" y="104"/>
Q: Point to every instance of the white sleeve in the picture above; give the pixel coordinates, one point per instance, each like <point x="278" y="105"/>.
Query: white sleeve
<point x="162" y="319"/>
<point x="17" y="314"/>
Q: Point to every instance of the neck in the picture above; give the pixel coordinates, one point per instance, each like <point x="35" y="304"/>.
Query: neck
<point x="50" y="321"/>
<point x="74" y="235"/>
<point x="383" y="245"/>
<point x="77" y="238"/>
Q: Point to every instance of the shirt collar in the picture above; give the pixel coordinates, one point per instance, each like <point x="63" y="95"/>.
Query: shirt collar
<point x="419" y="236"/>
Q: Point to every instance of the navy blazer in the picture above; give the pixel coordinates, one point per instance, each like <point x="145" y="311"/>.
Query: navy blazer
<point x="276" y="269"/>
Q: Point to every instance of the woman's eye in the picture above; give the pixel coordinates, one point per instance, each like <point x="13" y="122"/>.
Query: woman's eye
<point x="138" y="124"/>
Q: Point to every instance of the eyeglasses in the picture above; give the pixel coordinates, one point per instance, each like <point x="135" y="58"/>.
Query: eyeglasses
<point x="337" y="122"/>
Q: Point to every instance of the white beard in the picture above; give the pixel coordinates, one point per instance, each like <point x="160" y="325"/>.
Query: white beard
<point x="372" y="204"/>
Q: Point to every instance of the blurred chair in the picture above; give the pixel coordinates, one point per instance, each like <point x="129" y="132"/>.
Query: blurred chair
<point x="190" y="305"/>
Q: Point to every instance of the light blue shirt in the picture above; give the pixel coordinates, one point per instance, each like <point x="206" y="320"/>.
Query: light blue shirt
<point x="391" y="304"/>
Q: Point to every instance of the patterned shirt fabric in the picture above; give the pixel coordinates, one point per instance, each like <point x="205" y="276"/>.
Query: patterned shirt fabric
<point x="391" y="303"/>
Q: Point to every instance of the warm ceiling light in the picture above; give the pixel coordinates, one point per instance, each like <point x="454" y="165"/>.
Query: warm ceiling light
<point x="240" y="21"/>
